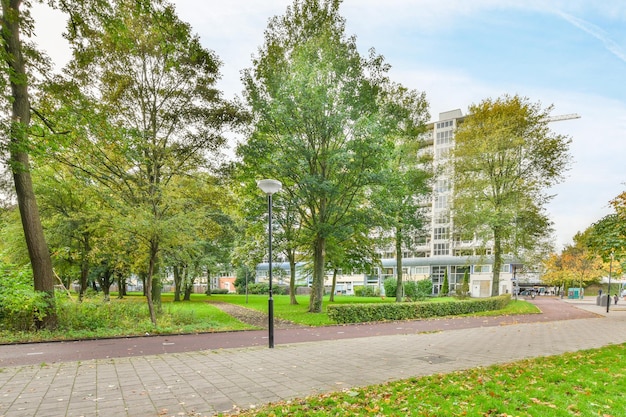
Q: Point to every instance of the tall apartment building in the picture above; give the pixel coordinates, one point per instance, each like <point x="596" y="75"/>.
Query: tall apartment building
<point x="443" y="250"/>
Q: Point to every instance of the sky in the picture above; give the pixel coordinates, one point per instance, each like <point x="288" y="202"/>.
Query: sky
<point x="568" y="54"/>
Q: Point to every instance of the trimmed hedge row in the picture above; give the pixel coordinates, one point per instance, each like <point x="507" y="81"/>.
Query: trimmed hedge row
<point x="360" y="313"/>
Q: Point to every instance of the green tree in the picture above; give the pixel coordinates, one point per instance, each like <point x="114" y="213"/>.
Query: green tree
<point x="504" y="159"/>
<point x="445" y="287"/>
<point x="607" y="236"/>
<point x="317" y="130"/>
<point x="15" y="23"/>
<point x="465" y="289"/>
<point x="140" y="97"/>
<point x="400" y="199"/>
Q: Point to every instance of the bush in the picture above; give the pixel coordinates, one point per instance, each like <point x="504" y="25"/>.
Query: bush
<point x="360" y="313"/>
<point x="258" y="288"/>
<point x="390" y="285"/>
<point x="363" y="291"/>
<point x="94" y="313"/>
<point x="20" y="304"/>
<point x="219" y="291"/>
<point x="418" y="290"/>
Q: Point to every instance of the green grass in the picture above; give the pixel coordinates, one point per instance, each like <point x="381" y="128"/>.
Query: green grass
<point x="584" y="383"/>
<point x="299" y="313"/>
<point x="95" y="319"/>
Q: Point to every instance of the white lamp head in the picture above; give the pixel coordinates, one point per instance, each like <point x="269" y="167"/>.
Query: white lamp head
<point x="269" y="187"/>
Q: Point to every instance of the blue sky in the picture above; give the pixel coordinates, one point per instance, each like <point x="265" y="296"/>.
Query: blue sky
<point x="570" y="54"/>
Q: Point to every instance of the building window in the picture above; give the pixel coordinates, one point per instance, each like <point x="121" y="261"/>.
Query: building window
<point x="443" y="186"/>
<point x="441" y="249"/>
<point x="441" y="202"/>
<point x="442" y="217"/>
<point x="482" y="269"/>
<point x="441" y="233"/>
<point x="423" y="270"/>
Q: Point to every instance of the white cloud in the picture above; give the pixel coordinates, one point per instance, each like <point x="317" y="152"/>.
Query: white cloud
<point x="597" y="33"/>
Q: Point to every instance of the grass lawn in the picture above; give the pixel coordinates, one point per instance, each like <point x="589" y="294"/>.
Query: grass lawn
<point x="584" y="383"/>
<point x="94" y="318"/>
<point x="299" y="313"/>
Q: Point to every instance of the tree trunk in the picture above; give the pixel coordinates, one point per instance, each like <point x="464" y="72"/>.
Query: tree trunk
<point x="292" y="280"/>
<point x="84" y="266"/>
<point x="188" y="289"/>
<point x="154" y="247"/>
<point x="121" y="285"/>
<point x="333" y="286"/>
<point x="43" y="275"/>
<point x="317" y="287"/>
<point x="497" y="262"/>
<point x="399" y="288"/>
<point x="105" y="284"/>
<point x="177" y="282"/>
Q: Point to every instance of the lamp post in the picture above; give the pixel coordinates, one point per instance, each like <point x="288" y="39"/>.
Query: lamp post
<point x="270" y="187"/>
<point x="608" y="291"/>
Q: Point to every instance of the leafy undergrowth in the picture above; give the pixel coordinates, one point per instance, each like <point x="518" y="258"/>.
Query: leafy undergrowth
<point x="585" y="383"/>
<point x="96" y="319"/>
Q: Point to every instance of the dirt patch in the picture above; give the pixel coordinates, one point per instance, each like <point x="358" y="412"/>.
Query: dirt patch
<point x="252" y="317"/>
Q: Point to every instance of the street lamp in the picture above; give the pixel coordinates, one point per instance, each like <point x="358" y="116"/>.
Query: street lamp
<point x="270" y="187"/>
<point x="608" y="291"/>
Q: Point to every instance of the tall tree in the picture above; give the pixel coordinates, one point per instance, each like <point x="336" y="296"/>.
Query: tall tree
<point x="401" y="198"/>
<point x="314" y="100"/>
<point x="140" y="95"/>
<point x="504" y="159"/>
<point x="14" y="23"/>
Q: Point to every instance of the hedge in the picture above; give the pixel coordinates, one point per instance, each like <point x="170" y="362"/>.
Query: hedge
<point x="360" y="313"/>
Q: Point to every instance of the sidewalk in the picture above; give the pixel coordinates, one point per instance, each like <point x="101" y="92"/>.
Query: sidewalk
<point x="204" y="383"/>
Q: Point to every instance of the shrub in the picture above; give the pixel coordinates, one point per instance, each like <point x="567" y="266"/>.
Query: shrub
<point x="219" y="291"/>
<point x="258" y="288"/>
<point x="366" y="291"/>
<point x="360" y="313"/>
<point x="20" y="304"/>
<point x="390" y="285"/>
<point x="94" y="313"/>
<point x="464" y="292"/>
<point x="418" y="290"/>
<point x="445" y="287"/>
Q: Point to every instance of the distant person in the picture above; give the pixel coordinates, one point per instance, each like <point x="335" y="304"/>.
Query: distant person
<point x="615" y="298"/>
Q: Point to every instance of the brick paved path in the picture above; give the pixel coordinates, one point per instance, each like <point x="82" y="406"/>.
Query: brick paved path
<point x="204" y="382"/>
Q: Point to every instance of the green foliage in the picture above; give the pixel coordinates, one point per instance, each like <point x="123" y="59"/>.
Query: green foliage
<point x="445" y="287"/>
<point x="464" y="291"/>
<point x="219" y="291"/>
<point x="359" y="313"/>
<point x="390" y="285"/>
<point x="320" y="126"/>
<point x="20" y="304"/>
<point x="418" y="290"/>
<point x="96" y="318"/>
<point x="504" y="159"/>
<point x="366" y="291"/>
<point x="413" y="290"/>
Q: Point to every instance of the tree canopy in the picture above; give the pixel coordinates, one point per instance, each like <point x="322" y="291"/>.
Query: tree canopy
<point x="318" y="127"/>
<point x="505" y="158"/>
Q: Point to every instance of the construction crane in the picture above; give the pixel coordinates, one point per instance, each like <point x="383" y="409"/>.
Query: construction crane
<point x="563" y="117"/>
